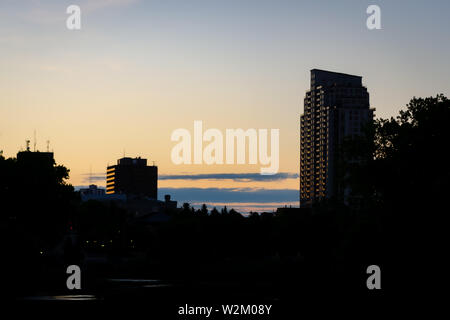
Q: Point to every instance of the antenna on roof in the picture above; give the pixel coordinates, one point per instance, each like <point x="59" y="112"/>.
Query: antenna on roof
<point x="48" y="145"/>
<point x="27" y="142"/>
<point x="34" y="143"/>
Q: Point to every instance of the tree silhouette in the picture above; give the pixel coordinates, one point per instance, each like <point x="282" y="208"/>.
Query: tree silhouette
<point x="404" y="184"/>
<point x="186" y="207"/>
<point x="49" y="199"/>
<point x="38" y="207"/>
<point x="403" y="151"/>
<point x="214" y="212"/>
<point x="204" y="210"/>
<point x="224" y="210"/>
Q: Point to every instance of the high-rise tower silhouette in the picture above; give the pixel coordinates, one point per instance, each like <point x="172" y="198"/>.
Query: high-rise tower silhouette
<point x="335" y="107"/>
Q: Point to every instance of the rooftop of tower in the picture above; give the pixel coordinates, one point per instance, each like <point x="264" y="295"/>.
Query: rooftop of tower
<point x="324" y="77"/>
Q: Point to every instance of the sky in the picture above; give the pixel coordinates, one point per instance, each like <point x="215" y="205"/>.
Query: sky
<point x="138" y="70"/>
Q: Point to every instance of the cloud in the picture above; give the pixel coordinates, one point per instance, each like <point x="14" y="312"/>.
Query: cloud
<point x="220" y="195"/>
<point x="241" y="195"/>
<point x="94" y="177"/>
<point x="241" y="199"/>
<point x="239" y="177"/>
<point x="52" y="13"/>
<point x="242" y="177"/>
<point x="227" y="195"/>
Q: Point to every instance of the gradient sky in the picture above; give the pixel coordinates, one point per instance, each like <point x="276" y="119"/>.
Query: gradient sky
<point x="137" y="70"/>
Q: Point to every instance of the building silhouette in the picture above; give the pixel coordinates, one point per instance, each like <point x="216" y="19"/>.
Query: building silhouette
<point x="335" y="107"/>
<point x="132" y="176"/>
<point x="93" y="190"/>
<point x="36" y="157"/>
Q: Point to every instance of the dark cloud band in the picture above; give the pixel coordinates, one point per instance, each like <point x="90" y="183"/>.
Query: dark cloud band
<point x="231" y="176"/>
<point x="230" y="194"/>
